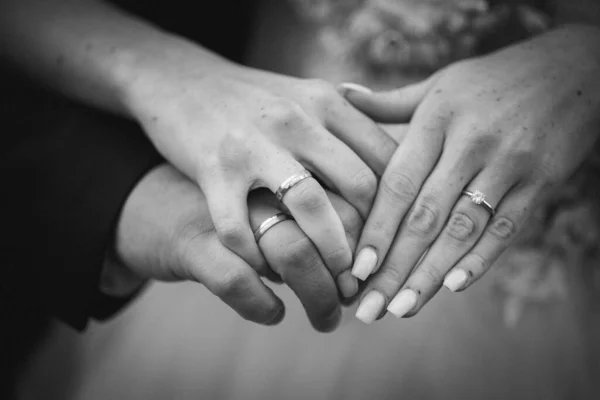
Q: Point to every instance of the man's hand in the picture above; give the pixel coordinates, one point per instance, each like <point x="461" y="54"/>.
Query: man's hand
<point x="165" y="232"/>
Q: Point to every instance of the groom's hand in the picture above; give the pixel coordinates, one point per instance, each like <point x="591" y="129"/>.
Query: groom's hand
<point x="165" y="233"/>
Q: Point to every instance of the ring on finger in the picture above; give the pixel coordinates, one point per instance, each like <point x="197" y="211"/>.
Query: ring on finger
<point x="291" y="182"/>
<point x="478" y="198"/>
<point x="269" y="223"/>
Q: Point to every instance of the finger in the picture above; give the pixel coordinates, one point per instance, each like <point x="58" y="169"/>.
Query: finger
<point x="420" y="228"/>
<point x="464" y="227"/>
<point x="309" y="205"/>
<point x="397" y="191"/>
<point x="227" y="276"/>
<point x="366" y="138"/>
<point x="294" y="257"/>
<point x="227" y="203"/>
<point x="511" y="215"/>
<point x="350" y="217"/>
<point x="353" y="224"/>
<point x="396" y="131"/>
<point x="395" y="106"/>
<point x="341" y="169"/>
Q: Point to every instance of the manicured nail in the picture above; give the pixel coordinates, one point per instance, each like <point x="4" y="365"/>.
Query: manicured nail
<point x="404" y="301"/>
<point x="349" y="86"/>
<point x="365" y="263"/>
<point x="370" y="307"/>
<point x="347" y="283"/>
<point x="456" y="279"/>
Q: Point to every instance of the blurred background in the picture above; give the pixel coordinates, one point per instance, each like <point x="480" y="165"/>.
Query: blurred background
<point x="529" y="330"/>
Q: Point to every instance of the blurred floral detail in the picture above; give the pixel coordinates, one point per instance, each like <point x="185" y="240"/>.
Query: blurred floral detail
<point x="558" y="251"/>
<point x="414" y="35"/>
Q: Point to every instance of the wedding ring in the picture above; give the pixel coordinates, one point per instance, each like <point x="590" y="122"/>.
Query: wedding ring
<point x="290" y="183"/>
<point x="269" y="223"/>
<point x="478" y="198"/>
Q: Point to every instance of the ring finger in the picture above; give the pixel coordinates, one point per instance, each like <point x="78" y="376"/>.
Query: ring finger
<point x="294" y="257"/>
<point x="510" y="217"/>
<point x="464" y="227"/>
<point x="308" y="203"/>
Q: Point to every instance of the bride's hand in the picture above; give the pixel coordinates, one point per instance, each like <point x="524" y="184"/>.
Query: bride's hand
<point x="240" y="129"/>
<point x="512" y="125"/>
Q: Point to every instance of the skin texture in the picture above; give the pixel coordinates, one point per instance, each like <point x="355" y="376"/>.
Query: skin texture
<point x="514" y="125"/>
<point x="229" y="128"/>
<point x="166" y="233"/>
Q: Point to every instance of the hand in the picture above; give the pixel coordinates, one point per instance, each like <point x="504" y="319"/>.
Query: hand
<point x="239" y="130"/>
<point x="513" y="125"/>
<point x="165" y="232"/>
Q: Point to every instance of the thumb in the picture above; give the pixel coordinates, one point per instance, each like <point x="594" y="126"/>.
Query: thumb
<point x="394" y="106"/>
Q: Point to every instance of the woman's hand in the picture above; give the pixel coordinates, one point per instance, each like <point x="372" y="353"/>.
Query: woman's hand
<point x="512" y="125"/>
<point x="237" y="129"/>
<point x="165" y="233"/>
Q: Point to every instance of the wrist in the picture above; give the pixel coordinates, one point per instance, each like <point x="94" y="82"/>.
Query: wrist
<point x="147" y="72"/>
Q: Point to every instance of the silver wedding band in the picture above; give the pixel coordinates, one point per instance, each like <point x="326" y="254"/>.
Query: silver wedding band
<point x="478" y="198"/>
<point x="290" y="183"/>
<point x="269" y="223"/>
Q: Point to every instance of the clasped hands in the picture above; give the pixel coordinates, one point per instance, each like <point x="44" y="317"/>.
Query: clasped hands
<point x="495" y="126"/>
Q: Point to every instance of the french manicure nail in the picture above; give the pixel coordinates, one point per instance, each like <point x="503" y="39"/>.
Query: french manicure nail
<point x="404" y="301"/>
<point x="370" y="307"/>
<point x="349" y="86"/>
<point x="456" y="279"/>
<point x="365" y="263"/>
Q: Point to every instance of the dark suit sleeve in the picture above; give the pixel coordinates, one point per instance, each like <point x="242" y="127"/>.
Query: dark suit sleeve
<point x="66" y="175"/>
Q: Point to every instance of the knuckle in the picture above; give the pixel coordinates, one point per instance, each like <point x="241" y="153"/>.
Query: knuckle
<point x="231" y="232"/>
<point x="433" y="274"/>
<point x="310" y="197"/>
<point x="365" y="185"/>
<point x="424" y="219"/>
<point x="231" y="155"/>
<point x="297" y="252"/>
<point x="503" y="229"/>
<point x="284" y="112"/>
<point x="234" y="283"/>
<point x="390" y="279"/>
<point x="521" y="158"/>
<point x="481" y="139"/>
<point x="399" y="186"/>
<point x="461" y="227"/>
<point x="341" y="257"/>
<point x="381" y="229"/>
<point x="322" y="91"/>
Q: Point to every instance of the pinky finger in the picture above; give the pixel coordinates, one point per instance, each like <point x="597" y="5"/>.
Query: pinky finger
<point x="513" y="213"/>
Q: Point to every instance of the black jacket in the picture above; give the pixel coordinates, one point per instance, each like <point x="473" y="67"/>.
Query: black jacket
<point x="65" y="173"/>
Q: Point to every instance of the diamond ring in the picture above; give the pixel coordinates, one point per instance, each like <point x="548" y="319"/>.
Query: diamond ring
<point x="478" y="198"/>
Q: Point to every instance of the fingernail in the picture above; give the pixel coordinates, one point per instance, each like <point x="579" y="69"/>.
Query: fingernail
<point x="365" y="263"/>
<point x="456" y="279"/>
<point x="370" y="307"/>
<point x="348" y="284"/>
<point x="404" y="301"/>
<point x="355" y="87"/>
